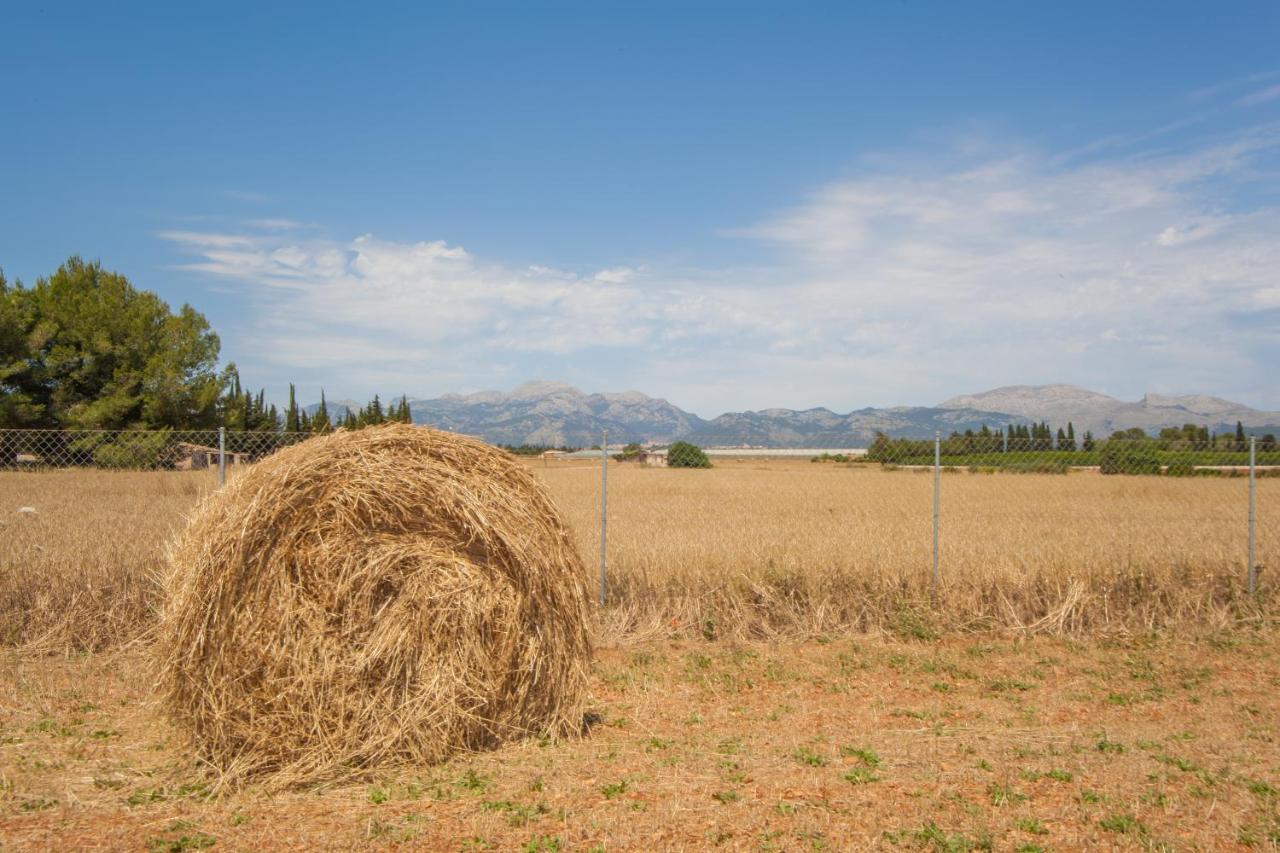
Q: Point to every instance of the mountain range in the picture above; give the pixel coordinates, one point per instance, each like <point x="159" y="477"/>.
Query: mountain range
<point x="557" y="414"/>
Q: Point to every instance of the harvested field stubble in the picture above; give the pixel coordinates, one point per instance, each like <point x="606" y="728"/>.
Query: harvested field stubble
<point x="968" y="743"/>
<point x="390" y="595"/>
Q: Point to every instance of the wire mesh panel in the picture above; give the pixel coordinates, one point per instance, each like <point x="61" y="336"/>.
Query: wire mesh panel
<point x="982" y="529"/>
<point x="985" y="529"/>
<point x="1123" y="504"/>
<point x="138" y="450"/>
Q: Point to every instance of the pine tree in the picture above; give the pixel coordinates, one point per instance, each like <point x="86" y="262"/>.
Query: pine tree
<point x="1071" y="437"/>
<point x="1240" y="440"/>
<point x="1087" y="444"/>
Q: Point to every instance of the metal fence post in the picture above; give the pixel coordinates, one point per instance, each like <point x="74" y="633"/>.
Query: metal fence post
<point x="1253" y="516"/>
<point x="604" y="511"/>
<point x="937" y="492"/>
<point x="222" y="456"/>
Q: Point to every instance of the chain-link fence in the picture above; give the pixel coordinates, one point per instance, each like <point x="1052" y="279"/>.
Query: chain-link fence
<point x="1126" y="518"/>
<point x="139" y="450"/>
<point x="1179" y="524"/>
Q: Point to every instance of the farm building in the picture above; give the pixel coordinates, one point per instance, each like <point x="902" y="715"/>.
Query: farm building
<point x="656" y="458"/>
<point x="186" y="456"/>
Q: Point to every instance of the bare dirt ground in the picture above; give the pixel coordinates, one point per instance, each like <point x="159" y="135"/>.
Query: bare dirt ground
<point x="965" y="743"/>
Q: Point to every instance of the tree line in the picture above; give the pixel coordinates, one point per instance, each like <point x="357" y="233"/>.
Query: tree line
<point x="85" y="349"/>
<point x="1041" y="438"/>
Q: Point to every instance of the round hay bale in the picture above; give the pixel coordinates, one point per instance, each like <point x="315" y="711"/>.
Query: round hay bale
<point x="394" y="594"/>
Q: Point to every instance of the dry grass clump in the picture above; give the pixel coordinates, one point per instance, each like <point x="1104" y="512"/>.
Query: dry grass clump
<point x="390" y="595"/>
<point x="80" y="572"/>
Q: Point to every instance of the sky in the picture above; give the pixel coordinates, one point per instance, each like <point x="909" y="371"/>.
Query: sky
<point x="732" y="206"/>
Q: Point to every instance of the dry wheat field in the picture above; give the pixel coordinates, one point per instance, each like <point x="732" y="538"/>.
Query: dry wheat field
<point x="748" y="550"/>
<point x="774" y="671"/>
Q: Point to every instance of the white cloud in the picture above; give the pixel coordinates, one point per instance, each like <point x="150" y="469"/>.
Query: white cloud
<point x="276" y="224"/>
<point x="900" y="285"/>
<point x="1216" y="89"/>
<point x="1260" y="97"/>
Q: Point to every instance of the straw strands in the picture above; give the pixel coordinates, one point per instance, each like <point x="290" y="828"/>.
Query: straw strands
<point x="394" y="594"/>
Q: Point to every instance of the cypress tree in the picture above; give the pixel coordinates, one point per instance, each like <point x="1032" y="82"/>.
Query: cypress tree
<point x="292" y="423"/>
<point x="320" y="420"/>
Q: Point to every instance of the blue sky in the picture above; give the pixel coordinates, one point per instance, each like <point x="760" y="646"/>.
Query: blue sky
<point x="730" y="205"/>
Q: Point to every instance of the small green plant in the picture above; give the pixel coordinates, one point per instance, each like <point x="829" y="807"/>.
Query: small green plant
<point x="1001" y="795"/>
<point x="910" y="624"/>
<point x="518" y="814"/>
<point x="473" y="781"/>
<point x="868" y="757"/>
<point x="1125" y="824"/>
<point x="196" y="841"/>
<point x="391" y="830"/>
<point x="1259" y="788"/>
<point x="615" y="789"/>
<point x="1109" y="746"/>
<point x="725" y="797"/>
<point x="730" y="746"/>
<point x="146" y="796"/>
<point x="930" y="836"/>
<point x="804" y="755"/>
<point x="1032" y="825"/>
<point x="861" y="776"/>
<point x="1186" y="765"/>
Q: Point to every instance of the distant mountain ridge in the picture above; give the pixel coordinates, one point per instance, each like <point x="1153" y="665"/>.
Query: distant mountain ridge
<point x="556" y="414"/>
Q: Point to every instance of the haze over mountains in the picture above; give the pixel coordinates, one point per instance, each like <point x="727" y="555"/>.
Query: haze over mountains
<point x="555" y="413"/>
